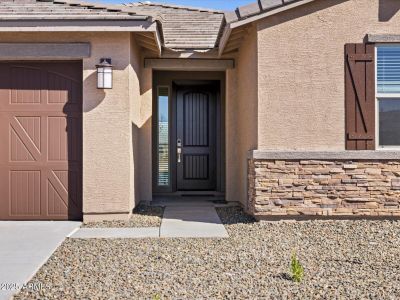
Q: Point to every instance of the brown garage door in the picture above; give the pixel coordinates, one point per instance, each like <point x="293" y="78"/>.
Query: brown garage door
<point x="40" y="140"/>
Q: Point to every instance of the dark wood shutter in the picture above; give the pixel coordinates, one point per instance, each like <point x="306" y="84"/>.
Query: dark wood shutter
<point x="360" y="96"/>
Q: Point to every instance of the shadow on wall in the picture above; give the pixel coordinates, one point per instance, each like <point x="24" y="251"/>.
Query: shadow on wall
<point x="142" y="135"/>
<point x="388" y="9"/>
<point x="142" y="153"/>
<point x="135" y="148"/>
<point x="145" y="136"/>
<point x="96" y="95"/>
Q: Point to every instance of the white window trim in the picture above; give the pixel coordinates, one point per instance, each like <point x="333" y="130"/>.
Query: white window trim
<point x="382" y="96"/>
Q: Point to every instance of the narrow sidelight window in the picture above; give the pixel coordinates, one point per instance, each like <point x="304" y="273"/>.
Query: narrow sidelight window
<point x="388" y="95"/>
<point x="163" y="136"/>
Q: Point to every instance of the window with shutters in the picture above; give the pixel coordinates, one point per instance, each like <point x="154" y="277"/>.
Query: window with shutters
<point x="388" y="96"/>
<point x="360" y="96"/>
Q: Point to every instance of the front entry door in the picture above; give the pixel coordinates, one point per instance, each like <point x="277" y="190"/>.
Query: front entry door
<point x="196" y="138"/>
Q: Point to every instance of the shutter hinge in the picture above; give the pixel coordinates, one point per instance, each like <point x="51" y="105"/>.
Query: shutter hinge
<point x="360" y="136"/>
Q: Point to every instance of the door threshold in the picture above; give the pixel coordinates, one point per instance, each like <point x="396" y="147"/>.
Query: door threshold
<point x="191" y="194"/>
<point x="194" y="202"/>
<point x="190" y="198"/>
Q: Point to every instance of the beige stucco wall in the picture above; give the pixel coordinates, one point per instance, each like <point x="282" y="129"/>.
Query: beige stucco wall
<point x="141" y="113"/>
<point x="231" y="137"/>
<point x="107" y="138"/>
<point x="109" y="120"/>
<point x="301" y="70"/>
<point x="135" y="102"/>
<point x="241" y="117"/>
<point x="145" y="134"/>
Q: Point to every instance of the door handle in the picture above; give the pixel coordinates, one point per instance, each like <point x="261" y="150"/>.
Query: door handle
<point x="179" y="149"/>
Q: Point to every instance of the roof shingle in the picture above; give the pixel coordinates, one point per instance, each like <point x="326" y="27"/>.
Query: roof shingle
<point x="64" y="9"/>
<point x="185" y="27"/>
<point x="255" y="8"/>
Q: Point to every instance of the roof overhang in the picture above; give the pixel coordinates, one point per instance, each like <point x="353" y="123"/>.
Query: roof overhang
<point x="76" y="25"/>
<point x="150" y="39"/>
<point x="234" y="26"/>
<point x="189" y="64"/>
<point x="79" y="16"/>
<point x="184" y="29"/>
<point x="147" y="28"/>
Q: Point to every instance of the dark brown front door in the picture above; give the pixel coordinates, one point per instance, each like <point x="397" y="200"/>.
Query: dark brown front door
<point x="40" y="141"/>
<point x="196" y="138"/>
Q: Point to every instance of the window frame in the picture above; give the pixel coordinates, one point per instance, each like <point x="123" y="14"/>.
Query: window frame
<point x="380" y="96"/>
<point x="159" y="187"/>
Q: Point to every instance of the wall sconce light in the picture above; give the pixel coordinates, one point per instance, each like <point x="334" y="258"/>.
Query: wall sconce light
<point x="104" y="74"/>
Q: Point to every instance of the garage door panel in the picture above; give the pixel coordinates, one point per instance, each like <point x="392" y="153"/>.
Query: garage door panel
<point x="62" y="177"/>
<point x="18" y="149"/>
<point x="57" y="139"/>
<point x="22" y="145"/>
<point x="63" y="192"/>
<point x="62" y="89"/>
<point x="31" y="126"/>
<point x="75" y="193"/>
<point x="64" y="138"/>
<point x="34" y="88"/>
<point x="38" y="109"/>
<point x="4" y="189"/>
<point x="41" y="124"/>
<point x="56" y="205"/>
<point x="25" y="84"/>
<point x="57" y="196"/>
<point x="25" y="192"/>
<point x="74" y="131"/>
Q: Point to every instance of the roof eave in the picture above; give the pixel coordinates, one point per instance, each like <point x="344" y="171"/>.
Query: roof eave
<point x="83" y="25"/>
<point x="158" y="36"/>
<point x="269" y="13"/>
<point x="224" y="39"/>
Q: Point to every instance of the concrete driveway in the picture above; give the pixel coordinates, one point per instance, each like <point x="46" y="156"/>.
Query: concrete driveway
<point x="24" y="248"/>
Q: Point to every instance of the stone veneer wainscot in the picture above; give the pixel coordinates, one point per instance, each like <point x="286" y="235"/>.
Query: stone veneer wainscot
<point x="365" y="183"/>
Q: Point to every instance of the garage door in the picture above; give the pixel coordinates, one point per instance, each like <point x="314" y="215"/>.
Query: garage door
<point x="40" y="141"/>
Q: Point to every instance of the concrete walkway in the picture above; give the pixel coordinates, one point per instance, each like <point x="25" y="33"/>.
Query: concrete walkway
<point x="192" y="221"/>
<point x="182" y="219"/>
<point x="25" y="247"/>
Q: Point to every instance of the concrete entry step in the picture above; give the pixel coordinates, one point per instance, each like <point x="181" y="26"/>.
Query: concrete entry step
<point x="191" y="221"/>
<point x="181" y="201"/>
<point x="178" y="202"/>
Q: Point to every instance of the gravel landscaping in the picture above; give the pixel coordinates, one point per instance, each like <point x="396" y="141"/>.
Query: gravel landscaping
<point x="342" y="260"/>
<point x="143" y="216"/>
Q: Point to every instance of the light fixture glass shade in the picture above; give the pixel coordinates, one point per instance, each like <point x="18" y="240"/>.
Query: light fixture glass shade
<point x="100" y="78"/>
<point x="108" y="78"/>
<point x="104" y="74"/>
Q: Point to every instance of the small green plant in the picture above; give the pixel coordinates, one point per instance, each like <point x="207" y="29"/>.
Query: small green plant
<point x="296" y="269"/>
<point x="157" y="297"/>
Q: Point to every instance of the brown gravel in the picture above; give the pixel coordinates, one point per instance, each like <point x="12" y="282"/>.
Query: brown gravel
<point x="342" y="260"/>
<point x="143" y="216"/>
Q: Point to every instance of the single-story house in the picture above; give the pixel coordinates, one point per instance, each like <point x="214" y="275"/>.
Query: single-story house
<point x="290" y="107"/>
